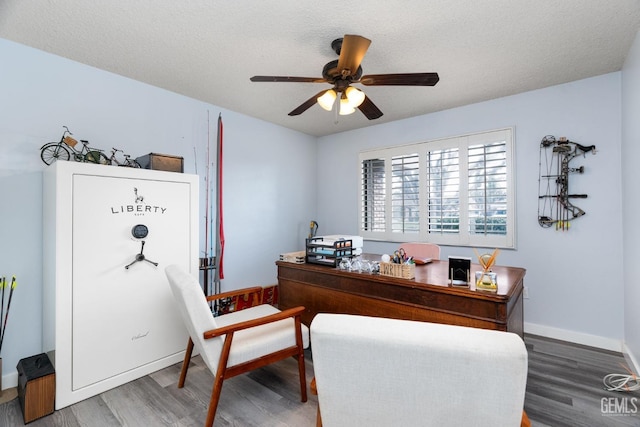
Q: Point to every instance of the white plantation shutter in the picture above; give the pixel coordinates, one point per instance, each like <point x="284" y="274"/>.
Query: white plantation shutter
<point x="443" y="189"/>
<point x="454" y="191"/>
<point x="372" y="209"/>
<point x="405" y="188"/>
<point x="488" y="188"/>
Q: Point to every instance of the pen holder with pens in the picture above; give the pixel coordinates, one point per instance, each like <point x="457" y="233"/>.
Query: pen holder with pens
<point x="398" y="266"/>
<point x="404" y="271"/>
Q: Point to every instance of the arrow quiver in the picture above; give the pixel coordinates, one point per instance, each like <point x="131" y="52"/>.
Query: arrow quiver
<point x="554" y="199"/>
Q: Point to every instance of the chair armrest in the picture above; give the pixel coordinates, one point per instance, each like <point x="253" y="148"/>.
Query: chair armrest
<point x="292" y="312"/>
<point x="234" y="293"/>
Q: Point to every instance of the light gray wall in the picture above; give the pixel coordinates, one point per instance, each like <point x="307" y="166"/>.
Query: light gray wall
<point x="630" y="193"/>
<point x="267" y="202"/>
<point x="574" y="277"/>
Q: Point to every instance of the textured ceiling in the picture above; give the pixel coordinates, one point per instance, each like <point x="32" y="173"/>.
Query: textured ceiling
<point x="208" y="49"/>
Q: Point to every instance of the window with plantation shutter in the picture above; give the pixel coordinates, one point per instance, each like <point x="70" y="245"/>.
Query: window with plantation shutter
<point x="488" y="188"/>
<point x="373" y="195"/>
<point x="443" y="191"/>
<point x="455" y="191"/>
<point x="405" y="189"/>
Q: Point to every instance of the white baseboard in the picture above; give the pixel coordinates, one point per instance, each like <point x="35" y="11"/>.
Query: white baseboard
<point x="9" y="380"/>
<point x="574" y="337"/>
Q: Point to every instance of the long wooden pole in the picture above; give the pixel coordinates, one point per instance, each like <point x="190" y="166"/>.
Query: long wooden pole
<point x="206" y="212"/>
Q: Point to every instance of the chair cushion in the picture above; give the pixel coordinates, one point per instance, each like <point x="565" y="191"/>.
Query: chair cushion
<point x="247" y="344"/>
<point x="261" y="340"/>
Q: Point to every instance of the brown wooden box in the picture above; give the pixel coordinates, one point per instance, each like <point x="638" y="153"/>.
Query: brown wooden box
<point x="161" y="162"/>
<point x="36" y="387"/>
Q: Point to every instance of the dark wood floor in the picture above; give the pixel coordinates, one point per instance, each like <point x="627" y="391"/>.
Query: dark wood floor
<point x="564" y="389"/>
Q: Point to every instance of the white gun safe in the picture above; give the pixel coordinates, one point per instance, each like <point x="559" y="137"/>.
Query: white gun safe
<point x="108" y="312"/>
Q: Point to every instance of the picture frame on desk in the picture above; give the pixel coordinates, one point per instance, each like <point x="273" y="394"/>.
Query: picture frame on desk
<point x="459" y="271"/>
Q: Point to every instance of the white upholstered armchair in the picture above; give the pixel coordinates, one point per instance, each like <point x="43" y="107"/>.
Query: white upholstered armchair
<point x="386" y="372"/>
<point x="238" y="342"/>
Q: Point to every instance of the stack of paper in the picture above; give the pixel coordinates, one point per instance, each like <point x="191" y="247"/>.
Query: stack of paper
<point x="356" y="241"/>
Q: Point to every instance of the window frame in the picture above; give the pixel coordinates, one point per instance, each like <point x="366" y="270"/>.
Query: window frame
<point x="464" y="237"/>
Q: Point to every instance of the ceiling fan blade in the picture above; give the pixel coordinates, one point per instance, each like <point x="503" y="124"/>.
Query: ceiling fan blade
<point x="369" y="109"/>
<point x="287" y="79"/>
<point x="351" y="53"/>
<point x="402" y="79"/>
<point x="306" y="104"/>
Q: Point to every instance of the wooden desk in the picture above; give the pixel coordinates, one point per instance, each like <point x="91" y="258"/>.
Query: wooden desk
<point x="428" y="297"/>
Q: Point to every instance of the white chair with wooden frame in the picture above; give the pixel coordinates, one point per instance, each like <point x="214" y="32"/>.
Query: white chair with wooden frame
<point x="238" y="342"/>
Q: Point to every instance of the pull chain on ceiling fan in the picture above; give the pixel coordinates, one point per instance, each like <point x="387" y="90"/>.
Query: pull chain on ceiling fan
<point x="344" y="72"/>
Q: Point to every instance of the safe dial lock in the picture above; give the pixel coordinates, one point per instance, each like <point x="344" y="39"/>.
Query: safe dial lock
<point x="140" y="231"/>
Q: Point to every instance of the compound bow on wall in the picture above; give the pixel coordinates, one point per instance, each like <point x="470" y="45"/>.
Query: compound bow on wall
<point x="554" y="204"/>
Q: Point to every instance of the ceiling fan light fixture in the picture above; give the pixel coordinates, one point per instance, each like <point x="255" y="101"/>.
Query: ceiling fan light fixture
<point x="327" y="99"/>
<point x="345" y="107"/>
<point x="344" y="71"/>
<point x="355" y="96"/>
